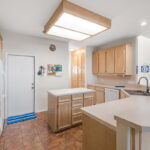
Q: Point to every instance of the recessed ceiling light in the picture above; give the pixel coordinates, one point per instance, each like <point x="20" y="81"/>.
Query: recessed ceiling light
<point x="74" y="22"/>
<point x="144" y="23"/>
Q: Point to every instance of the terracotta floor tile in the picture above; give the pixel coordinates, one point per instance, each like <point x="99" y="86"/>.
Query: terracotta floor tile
<point x="35" y="134"/>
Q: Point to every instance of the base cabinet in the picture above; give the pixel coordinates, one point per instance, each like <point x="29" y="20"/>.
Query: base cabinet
<point x="97" y="136"/>
<point x="65" y="111"/>
<point x="100" y="94"/>
<point x="64" y="115"/>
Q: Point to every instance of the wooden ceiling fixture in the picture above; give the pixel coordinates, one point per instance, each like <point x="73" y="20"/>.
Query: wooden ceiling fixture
<point x="73" y="22"/>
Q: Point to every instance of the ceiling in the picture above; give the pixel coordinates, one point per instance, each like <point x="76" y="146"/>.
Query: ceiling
<point x="30" y="16"/>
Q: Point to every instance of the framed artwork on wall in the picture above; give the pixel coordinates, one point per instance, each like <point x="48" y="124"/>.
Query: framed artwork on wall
<point x="54" y="70"/>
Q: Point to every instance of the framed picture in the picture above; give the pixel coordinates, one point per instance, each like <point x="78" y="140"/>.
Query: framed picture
<point x="54" y="70"/>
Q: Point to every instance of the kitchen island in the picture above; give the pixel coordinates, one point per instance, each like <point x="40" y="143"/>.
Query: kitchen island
<point x="118" y="125"/>
<point x="64" y="106"/>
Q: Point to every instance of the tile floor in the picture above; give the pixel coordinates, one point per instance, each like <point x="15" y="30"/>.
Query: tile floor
<point x="36" y="135"/>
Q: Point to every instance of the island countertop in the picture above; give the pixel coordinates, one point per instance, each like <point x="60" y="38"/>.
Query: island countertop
<point x="134" y="110"/>
<point x="70" y="91"/>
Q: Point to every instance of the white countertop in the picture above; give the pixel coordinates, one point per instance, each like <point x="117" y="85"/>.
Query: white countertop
<point x="70" y="91"/>
<point x="135" y="110"/>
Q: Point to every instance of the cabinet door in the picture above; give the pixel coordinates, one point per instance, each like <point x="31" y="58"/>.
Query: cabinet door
<point x="110" y="61"/>
<point x="64" y="115"/>
<point x="95" y="62"/>
<point x="88" y="101"/>
<point x="102" y="61"/>
<point x="100" y="95"/>
<point x="120" y="60"/>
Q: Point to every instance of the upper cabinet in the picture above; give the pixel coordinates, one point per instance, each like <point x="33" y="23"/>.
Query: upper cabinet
<point x="1" y="47"/>
<point x="102" y="62"/>
<point x="116" y="60"/>
<point x="95" y="60"/>
<point x="110" y="61"/>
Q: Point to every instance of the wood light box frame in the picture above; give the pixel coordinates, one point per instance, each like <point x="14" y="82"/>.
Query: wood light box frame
<point x="75" y="10"/>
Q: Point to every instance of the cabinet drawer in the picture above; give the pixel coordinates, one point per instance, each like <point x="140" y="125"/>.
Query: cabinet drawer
<point x="77" y="96"/>
<point x="77" y="103"/>
<point x="87" y="95"/>
<point x="100" y="88"/>
<point x="76" y="110"/>
<point x="64" y="98"/>
<point x="91" y="87"/>
<point x="76" y="119"/>
<point x="89" y="101"/>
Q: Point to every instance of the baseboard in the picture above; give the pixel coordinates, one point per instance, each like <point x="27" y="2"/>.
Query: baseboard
<point x="41" y="110"/>
<point x="1" y="125"/>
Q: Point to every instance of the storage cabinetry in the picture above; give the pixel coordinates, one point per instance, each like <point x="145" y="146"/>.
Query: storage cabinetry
<point x="110" y="61"/>
<point x="77" y="103"/>
<point x="95" y="62"/>
<point x="65" y="111"/>
<point x="102" y="62"/>
<point x="116" y="60"/>
<point x="123" y="95"/>
<point x="64" y="114"/>
<point x="100" y="94"/>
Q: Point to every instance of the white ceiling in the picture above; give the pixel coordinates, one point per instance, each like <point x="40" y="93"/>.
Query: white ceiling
<point x="30" y="16"/>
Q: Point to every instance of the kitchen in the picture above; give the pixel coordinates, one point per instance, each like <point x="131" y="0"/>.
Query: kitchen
<point x="79" y="89"/>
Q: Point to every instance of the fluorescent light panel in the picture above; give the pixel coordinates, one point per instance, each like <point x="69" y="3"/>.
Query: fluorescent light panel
<point x="65" y="33"/>
<point x="78" y="24"/>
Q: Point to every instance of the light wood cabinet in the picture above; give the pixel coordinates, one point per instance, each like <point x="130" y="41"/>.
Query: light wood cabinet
<point x="102" y="62"/>
<point x="123" y="95"/>
<point x="78" y="68"/>
<point x="95" y="62"/>
<point x="100" y="95"/>
<point x="64" y="115"/>
<point x="117" y="60"/>
<point x="120" y="55"/>
<point x="65" y="111"/>
<point x="123" y="59"/>
<point x="110" y="61"/>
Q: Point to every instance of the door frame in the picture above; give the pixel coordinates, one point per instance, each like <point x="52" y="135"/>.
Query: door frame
<point x="6" y="104"/>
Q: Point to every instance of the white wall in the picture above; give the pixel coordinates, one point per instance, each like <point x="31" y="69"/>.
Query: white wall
<point x="38" y="47"/>
<point x="143" y="56"/>
<point x="90" y="77"/>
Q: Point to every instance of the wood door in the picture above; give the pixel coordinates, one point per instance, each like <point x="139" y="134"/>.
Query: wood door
<point x="78" y="68"/>
<point x="64" y="115"/>
<point x="120" y="59"/>
<point x="100" y="95"/>
<point x="74" y="70"/>
<point x="110" y="60"/>
<point x="81" y="68"/>
<point x="102" y="62"/>
<point x="95" y="63"/>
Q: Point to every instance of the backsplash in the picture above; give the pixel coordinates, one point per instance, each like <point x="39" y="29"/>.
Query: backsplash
<point x="117" y="80"/>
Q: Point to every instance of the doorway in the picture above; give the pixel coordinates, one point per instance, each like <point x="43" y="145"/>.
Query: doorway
<point x="20" y="85"/>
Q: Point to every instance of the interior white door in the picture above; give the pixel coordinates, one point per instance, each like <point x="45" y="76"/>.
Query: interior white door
<point x="20" y="85"/>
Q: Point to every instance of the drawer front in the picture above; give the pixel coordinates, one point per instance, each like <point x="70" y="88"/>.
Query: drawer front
<point x="91" y="87"/>
<point x="76" y="110"/>
<point x="77" y="103"/>
<point x="91" y="94"/>
<point x="89" y="102"/>
<point x="76" y="119"/>
<point x="100" y="88"/>
<point x="77" y="96"/>
<point x="64" y="98"/>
